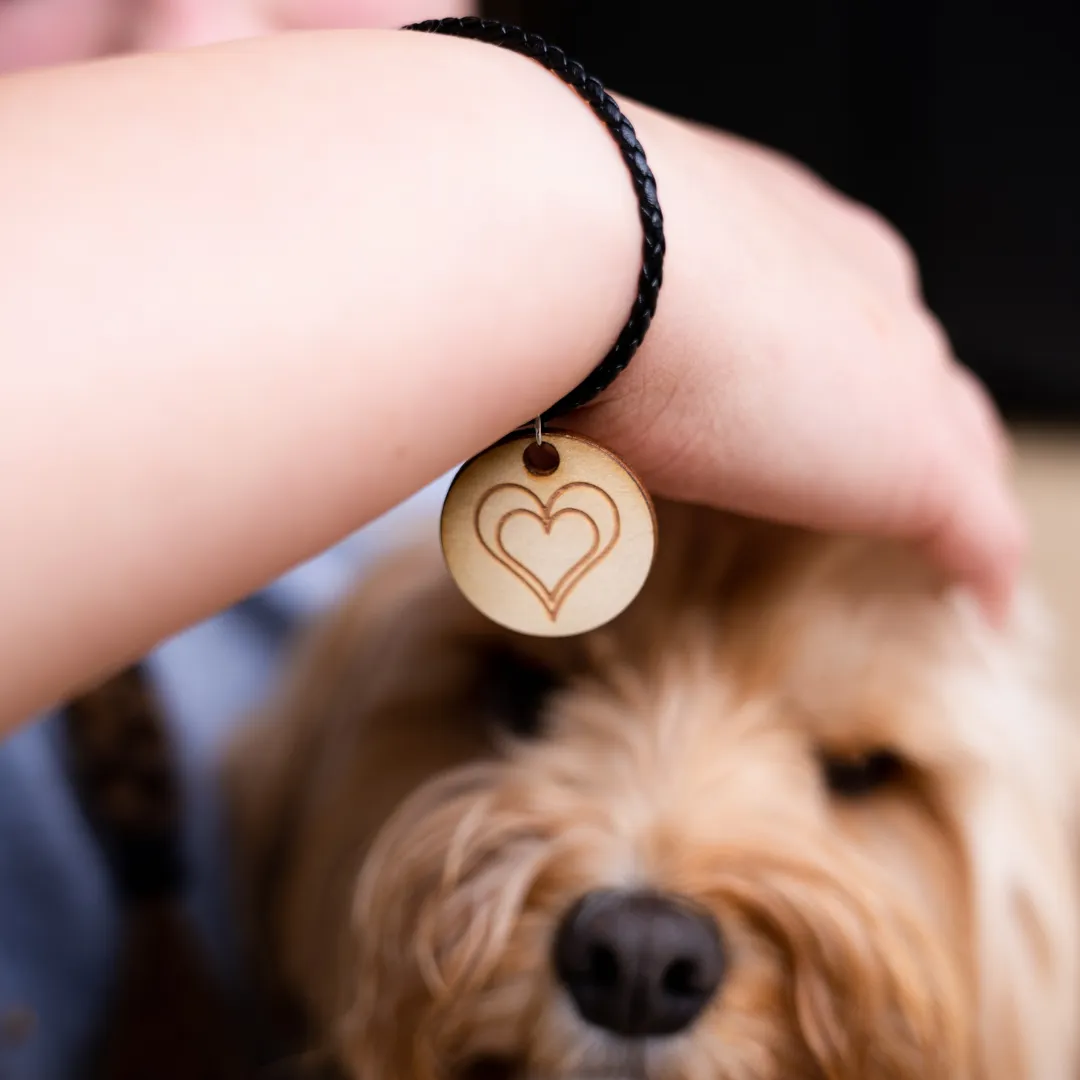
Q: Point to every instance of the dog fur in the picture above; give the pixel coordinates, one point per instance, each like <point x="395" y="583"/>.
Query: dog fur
<point x="428" y="794"/>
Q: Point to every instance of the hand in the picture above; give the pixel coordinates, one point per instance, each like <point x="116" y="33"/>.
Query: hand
<point x="793" y="372"/>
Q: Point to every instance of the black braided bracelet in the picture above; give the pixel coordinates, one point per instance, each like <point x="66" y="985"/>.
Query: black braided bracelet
<point x="652" y="221"/>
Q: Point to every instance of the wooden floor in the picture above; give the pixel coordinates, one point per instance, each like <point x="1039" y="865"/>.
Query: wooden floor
<point x="1048" y="479"/>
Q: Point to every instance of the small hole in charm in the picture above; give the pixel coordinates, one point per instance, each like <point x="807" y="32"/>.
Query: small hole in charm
<point x="541" y="459"/>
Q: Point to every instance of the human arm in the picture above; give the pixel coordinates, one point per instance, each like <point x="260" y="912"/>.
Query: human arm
<point x="254" y="295"/>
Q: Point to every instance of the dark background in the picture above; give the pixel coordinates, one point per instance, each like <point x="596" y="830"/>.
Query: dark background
<point x="957" y="120"/>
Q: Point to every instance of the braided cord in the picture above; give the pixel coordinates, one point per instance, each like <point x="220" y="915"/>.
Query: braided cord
<point x="652" y="221"/>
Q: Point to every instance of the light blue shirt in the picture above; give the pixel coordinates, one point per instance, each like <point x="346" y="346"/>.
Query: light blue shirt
<point x="59" y="930"/>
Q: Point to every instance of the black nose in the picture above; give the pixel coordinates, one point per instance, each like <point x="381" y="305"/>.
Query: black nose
<point x="638" y="963"/>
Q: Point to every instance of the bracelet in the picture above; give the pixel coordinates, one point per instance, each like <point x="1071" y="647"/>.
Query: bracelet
<point x="652" y="221"/>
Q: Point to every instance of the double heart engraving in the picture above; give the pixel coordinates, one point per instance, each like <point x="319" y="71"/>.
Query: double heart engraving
<point x="550" y="547"/>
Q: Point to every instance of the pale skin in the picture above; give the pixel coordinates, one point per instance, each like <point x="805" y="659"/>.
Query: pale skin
<point x="256" y="294"/>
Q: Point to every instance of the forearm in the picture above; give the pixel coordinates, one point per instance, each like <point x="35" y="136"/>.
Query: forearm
<point x="254" y="296"/>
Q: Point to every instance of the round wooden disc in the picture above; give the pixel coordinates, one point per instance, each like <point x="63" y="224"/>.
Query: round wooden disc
<point x="548" y="541"/>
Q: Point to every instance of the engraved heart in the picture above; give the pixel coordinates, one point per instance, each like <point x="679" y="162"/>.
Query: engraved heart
<point x="548" y="546"/>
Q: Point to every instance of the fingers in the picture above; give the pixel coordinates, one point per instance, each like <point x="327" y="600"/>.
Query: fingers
<point x="806" y="381"/>
<point x="977" y="534"/>
<point x="981" y="542"/>
<point x="976" y="415"/>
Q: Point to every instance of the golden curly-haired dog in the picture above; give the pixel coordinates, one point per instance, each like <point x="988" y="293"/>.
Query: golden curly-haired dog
<point x="797" y="814"/>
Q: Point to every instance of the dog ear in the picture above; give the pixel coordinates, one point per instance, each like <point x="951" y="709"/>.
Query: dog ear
<point x="1025" y="914"/>
<point x="1020" y="826"/>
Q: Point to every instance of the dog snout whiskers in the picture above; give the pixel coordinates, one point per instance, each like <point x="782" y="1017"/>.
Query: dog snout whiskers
<point x="639" y="964"/>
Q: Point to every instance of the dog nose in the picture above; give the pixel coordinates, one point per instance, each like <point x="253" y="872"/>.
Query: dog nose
<point x="638" y="963"/>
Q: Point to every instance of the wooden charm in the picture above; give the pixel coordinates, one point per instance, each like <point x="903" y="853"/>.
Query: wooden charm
<point x="548" y="539"/>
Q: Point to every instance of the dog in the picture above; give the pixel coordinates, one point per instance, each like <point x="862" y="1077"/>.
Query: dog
<point x="799" y="813"/>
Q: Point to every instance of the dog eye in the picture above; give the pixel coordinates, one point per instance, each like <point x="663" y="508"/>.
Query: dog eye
<point x="514" y="690"/>
<point x="853" y="776"/>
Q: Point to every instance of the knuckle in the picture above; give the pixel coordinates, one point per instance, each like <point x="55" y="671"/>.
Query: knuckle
<point x="888" y="248"/>
<point x="931" y="337"/>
